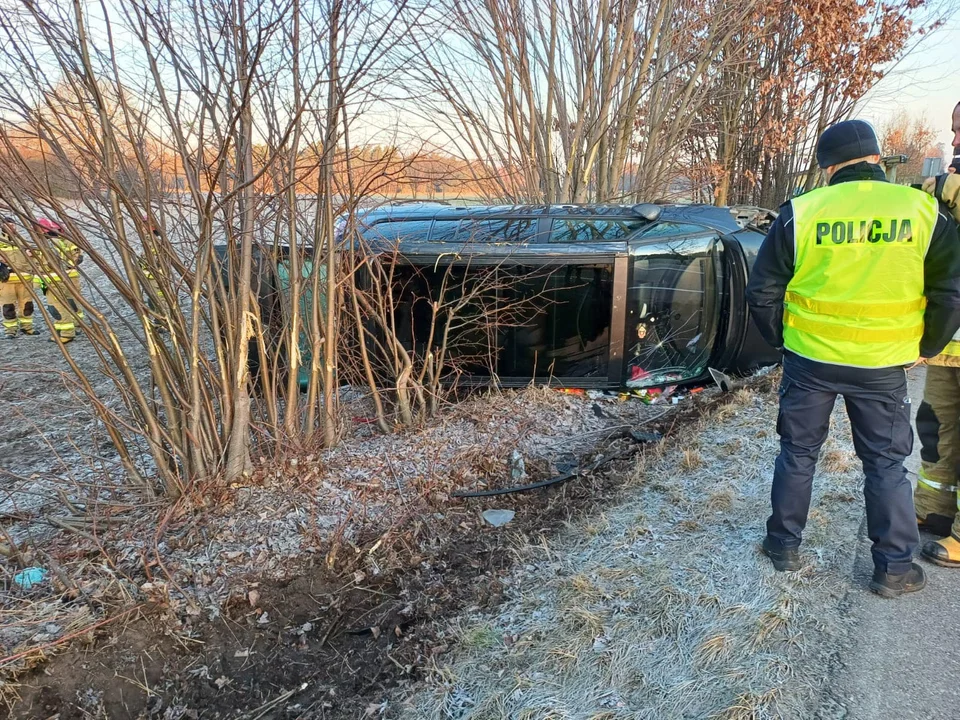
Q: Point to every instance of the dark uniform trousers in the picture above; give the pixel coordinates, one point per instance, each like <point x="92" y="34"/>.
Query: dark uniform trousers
<point x="879" y="411"/>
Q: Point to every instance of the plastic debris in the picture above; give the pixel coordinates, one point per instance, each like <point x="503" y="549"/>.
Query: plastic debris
<point x="498" y="518"/>
<point x="518" y="469"/>
<point x="30" y="577"/>
<point x="723" y="381"/>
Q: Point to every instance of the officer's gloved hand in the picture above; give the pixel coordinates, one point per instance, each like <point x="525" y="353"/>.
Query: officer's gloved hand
<point x="946" y="188"/>
<point x="4" y="272"/>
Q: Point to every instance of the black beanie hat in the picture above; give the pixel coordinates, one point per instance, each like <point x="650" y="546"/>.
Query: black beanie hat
<point x="847" y="140"/>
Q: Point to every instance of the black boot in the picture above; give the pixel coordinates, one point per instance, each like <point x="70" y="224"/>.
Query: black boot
<point x="784" y="559"/>
<point x="893" y="586"/>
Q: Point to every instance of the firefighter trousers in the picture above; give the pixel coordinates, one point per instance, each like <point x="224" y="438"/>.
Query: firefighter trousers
<point x="938" y="426"/>
<point x="879" y="411"/>
<point x="155" y="287"/>
<point x="16" y="302"/>
<point x="61" y="295"/>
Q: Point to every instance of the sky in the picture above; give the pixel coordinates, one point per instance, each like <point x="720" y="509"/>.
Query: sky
<point x="926" y="83"/>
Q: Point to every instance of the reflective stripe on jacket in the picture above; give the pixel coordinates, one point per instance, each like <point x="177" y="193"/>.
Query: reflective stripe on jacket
<point x="16" y="260"/>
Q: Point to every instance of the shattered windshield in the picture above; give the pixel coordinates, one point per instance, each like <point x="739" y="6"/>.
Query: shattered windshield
<point x="673" y="311"/>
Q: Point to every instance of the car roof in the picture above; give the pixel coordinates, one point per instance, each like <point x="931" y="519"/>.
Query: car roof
<point x="719" y="218"/>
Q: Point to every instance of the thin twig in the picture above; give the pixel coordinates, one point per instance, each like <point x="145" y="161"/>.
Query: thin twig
<point x="66" y="638"/>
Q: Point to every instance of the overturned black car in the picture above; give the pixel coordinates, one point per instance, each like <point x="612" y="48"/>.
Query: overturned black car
<point x="615" y="296"/>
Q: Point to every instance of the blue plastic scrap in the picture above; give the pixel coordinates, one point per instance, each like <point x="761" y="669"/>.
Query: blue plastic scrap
<point x="30" y="577"/>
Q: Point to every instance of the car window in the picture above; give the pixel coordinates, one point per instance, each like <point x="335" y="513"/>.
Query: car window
<point x="566" y="230"/>
<point x="670" y="228"/>
<point x="513" y="230"/>
<point x="444" y="230"/>
<point x="394" y="230"/>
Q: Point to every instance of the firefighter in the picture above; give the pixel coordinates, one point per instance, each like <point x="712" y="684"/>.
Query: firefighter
<point x="937" y="496"/>
<point x="59" y="281"/>
<point x="854" y="281"/>
<point x="160" y="325"/>
<point x="16" y="292"/>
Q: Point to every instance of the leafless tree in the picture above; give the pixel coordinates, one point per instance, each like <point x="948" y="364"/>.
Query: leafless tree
<point x="781" y="82"/>
<point x="578" y="100"/>
<point x="211" y="99"/>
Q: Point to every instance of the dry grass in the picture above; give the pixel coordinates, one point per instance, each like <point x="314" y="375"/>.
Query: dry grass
<point x="749" y="706"/>
<point x="839" y="461"/>
<point x="664" y="608"/>
<point x="720" y="500"/>
<point x="691" y="459"/>
<point x="715" y="649"/>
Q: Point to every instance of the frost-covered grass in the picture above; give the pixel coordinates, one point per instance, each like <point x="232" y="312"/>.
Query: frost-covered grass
<point x="664" y="607"/>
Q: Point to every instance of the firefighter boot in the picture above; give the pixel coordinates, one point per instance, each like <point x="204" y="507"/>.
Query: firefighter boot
<point x="944" y="552"/>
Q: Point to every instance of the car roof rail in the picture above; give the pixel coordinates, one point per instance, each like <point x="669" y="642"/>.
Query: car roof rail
<point x="398" y="203"/>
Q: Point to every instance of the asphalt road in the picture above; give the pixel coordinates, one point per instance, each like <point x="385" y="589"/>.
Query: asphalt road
<point x="901" y="658"/>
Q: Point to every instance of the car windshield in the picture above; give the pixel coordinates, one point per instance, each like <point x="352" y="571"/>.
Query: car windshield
<point x="673" y="311"/>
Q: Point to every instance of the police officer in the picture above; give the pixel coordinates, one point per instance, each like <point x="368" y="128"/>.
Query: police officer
<point x="937" y="496"/>
<point x="16" y="291"/>
<point x="854" y="281"/>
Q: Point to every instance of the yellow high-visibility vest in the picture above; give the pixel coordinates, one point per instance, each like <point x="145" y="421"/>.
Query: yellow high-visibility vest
<point x="856" y="297"/>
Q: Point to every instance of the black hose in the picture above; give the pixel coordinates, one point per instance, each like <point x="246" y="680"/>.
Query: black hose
<point x="517" y="488"/>
<point x="543" y="483"/>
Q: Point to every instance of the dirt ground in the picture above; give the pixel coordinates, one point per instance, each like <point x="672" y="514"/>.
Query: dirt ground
<point x="636" y="591"/>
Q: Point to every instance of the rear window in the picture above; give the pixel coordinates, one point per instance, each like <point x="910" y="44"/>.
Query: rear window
<point x="594" y="230"/>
